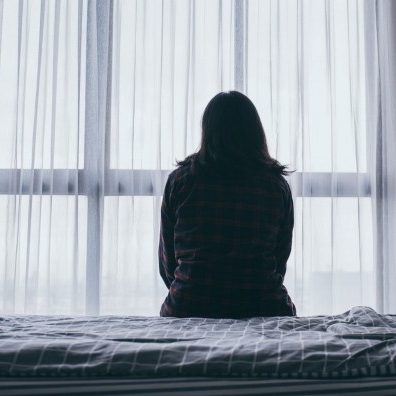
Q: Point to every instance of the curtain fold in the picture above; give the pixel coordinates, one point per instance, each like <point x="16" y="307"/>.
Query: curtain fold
<point x="99" y="98"/>
<point x="381" y="59"/>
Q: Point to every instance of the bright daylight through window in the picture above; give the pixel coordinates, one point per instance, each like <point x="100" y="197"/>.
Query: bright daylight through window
<point x="97" y="104"/>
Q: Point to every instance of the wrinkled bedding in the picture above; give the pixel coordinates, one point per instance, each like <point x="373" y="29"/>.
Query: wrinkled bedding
<point x="359" y="342"/>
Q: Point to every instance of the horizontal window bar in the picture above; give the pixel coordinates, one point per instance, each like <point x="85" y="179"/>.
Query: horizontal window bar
<point x="327" y="184"/>
<point x="146" y="182"/>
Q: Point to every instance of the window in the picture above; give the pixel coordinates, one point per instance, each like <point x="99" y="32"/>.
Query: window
<point x="98" y="99"/>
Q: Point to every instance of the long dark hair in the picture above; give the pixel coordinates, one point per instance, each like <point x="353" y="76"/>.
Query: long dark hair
<point x="233" y="136"/>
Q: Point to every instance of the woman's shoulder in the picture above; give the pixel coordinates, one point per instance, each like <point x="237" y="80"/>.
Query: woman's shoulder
<point x="280" y="180"/>
<point x="275" y="181"/>
<point x="181" y="174"/>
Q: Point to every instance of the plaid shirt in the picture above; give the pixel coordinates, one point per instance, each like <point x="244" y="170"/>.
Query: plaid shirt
<point x="224" y="243"/>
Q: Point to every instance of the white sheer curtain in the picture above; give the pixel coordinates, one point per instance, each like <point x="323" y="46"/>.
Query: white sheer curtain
<point x="381" y="94"/>
<point x="98" y="99"/>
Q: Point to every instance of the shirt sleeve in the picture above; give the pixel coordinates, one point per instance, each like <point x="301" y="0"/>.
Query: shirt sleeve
<point x="166" y="250"/>
<point x="285" y="236"/>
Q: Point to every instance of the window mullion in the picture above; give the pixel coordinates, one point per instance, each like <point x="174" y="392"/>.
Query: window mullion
<point x="239" y="44"/>
<point x="98" y="77"/>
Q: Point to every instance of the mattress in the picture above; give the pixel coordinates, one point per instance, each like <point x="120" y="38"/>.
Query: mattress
<point x="357" y="343"/>
<point x="198" y="386"/>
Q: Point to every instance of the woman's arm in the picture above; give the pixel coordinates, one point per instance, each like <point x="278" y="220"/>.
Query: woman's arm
<point x="166" y="250"/>
<point x="285" y="235"/>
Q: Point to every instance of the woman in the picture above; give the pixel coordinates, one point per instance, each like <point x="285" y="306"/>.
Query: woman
<point x="227" y="221"/>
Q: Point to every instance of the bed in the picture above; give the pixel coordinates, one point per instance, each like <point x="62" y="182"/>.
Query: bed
<point x="343" y="354"/>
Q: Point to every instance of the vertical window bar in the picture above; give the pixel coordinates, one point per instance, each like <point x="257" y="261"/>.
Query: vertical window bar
<point x="97" y="121"/>
<point x="239" y="44"/>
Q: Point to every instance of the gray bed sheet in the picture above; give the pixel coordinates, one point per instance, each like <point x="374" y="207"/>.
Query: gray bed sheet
<point x="357" y="343"/>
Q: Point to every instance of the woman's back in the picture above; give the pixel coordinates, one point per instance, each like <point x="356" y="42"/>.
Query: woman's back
<point x="225" y="240"/>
